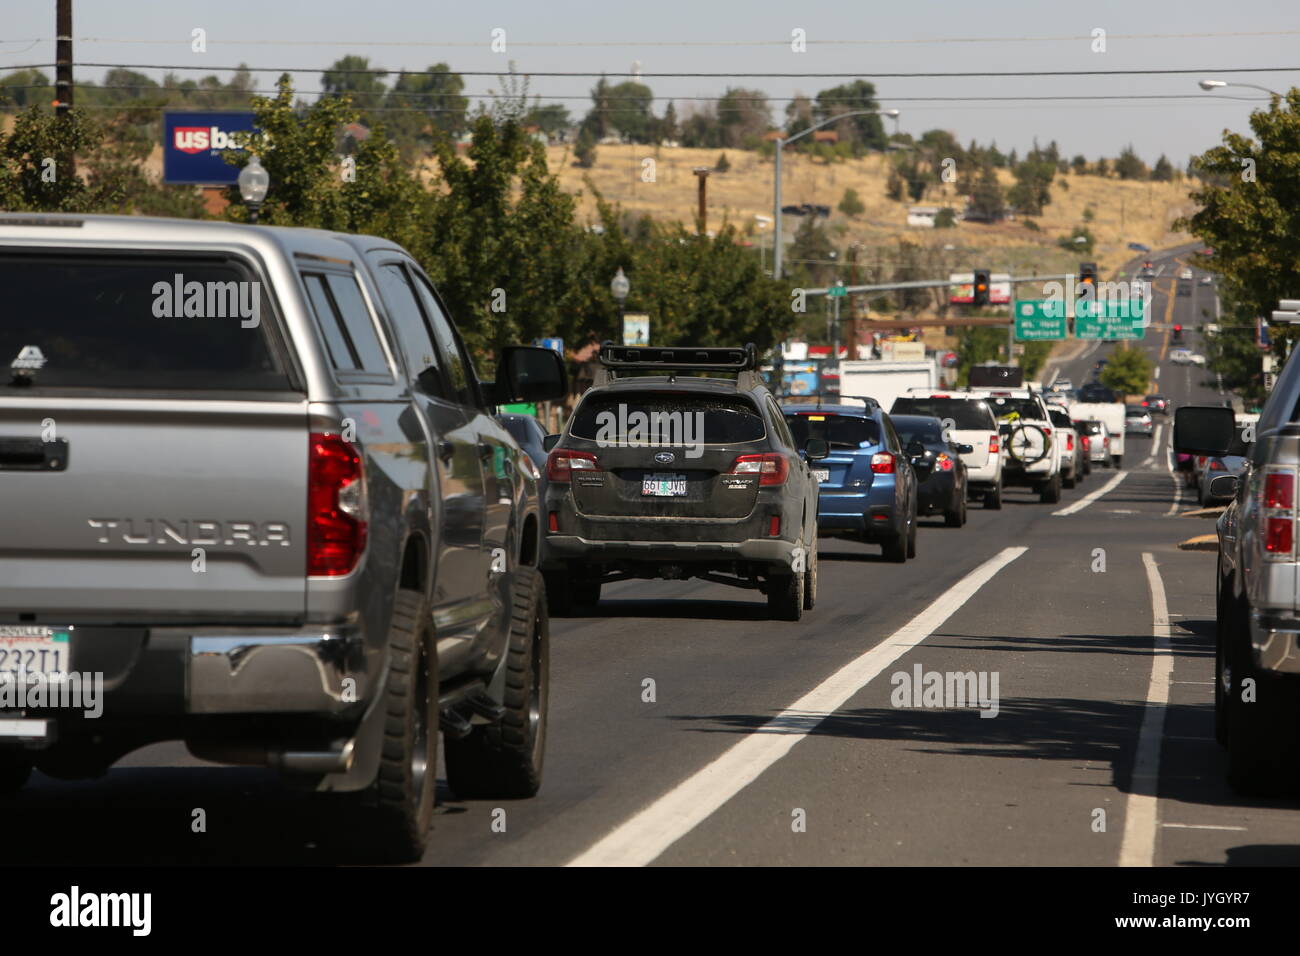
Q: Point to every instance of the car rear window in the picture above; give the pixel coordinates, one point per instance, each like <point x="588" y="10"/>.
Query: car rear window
<point x="966" y="414"/>
<point x="1088" y="428"/>
<point x="1060" y="418"/>
<point x="139" y="323"/>
<point x="1004" y="405"/>
<point x="838" y="431"/>
<point x="663" y="417"/>
<point x="928" y="432"/>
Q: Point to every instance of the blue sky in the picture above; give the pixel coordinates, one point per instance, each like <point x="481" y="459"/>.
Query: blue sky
<point x="726" y="36"/>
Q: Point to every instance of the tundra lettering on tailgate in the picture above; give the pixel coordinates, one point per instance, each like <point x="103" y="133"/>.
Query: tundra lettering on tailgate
<point x="190" y="531"/>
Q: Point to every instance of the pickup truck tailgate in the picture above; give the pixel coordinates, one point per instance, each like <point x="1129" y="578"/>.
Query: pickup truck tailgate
<point x="109" y="524"/>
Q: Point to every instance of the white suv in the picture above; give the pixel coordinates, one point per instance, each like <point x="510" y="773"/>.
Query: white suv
<point x="1031" y="448"/>
<point x="968" y="420"/>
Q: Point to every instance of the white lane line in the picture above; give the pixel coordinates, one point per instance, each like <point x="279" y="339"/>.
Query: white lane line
<point x="1138" y="847"/>
<point x="1157" y="373"/>
<point x="1198" y="826"/>
<point x="652" y="830"/>
<point x="1091" y="496"/>
<point x="1155" y="445"/>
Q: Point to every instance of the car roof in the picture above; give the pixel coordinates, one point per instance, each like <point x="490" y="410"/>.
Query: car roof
<point x="859" y="411"/>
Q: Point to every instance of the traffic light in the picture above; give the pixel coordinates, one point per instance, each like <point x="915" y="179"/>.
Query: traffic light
<point x="1088" y="274"/>
<point x="980" y="288"/>
<point x="1178" y="333"/>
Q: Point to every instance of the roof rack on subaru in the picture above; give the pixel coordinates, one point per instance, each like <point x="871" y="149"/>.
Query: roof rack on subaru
<point x="825" y="398"/>
<point x="742" y="360"/>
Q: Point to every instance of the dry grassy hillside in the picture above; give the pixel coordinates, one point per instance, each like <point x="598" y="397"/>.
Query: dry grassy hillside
<point x="1123" y="211"/>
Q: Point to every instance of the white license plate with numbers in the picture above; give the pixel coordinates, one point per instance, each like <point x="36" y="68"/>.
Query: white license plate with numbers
<point x="822" y="474"/>
<point x="27" y="651"/>
<point x="663" y="486"/>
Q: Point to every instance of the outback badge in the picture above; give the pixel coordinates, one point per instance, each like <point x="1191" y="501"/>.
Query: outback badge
<point x="29" y="361"/>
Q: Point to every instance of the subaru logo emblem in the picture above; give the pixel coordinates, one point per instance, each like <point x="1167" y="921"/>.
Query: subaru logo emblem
<point x="665" y="458"/>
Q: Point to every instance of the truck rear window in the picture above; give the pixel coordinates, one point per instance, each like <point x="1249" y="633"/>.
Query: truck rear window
<point x="647" y="416"/>
<point x="139" y="323"/>
<point x="964" y="413"/>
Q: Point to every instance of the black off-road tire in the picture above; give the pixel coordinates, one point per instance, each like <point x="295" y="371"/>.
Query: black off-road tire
<point x="810" y="582"/>
<point x="993" y="498"/>
<point x="957" y="517"/>
<point x="1263" y="734"/>
<point x="785" y="594"/>
<point x="504" y="760"/>
<point x="895" y="549"/>
<point x="559" y="593"/>
<point x="395" y="814"/>
<point x="1051" y="490"/>
<point x="1068" y="482"/>
<point x="586" y="593"/>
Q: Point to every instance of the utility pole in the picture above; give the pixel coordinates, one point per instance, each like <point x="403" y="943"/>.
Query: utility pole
<point x="702" y="173"/>
<point x="63" y="71"/>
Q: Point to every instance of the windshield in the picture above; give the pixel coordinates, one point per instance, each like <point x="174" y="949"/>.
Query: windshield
<point x="926" y="432"/>
<point x="967" y="414"/>
<point x="839" y="431"/>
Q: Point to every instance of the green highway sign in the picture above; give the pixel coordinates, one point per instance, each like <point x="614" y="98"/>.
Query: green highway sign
<point x="837" y="291"/>
<point x="1110" y="319"/>
<point x="1040" y="320"/>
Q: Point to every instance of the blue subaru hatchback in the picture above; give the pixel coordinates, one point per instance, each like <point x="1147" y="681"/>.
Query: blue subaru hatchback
<point x="868" y="488"/>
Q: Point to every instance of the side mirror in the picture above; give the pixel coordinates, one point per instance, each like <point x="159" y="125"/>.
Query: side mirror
<point x="1225" y="486"/>
<point x="815" y="449"/>
<point x="549" y="442"/>
<point x="1203" y="430"/>
<point x="965" y="449"/>
<point x="526" y="373"/>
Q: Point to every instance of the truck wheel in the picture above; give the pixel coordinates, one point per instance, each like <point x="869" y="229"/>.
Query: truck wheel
<point x="895" y="549"/>
<point x="504" y="760"/>
<point x="810" y="582"/>
<point x="396" y="812"/>
<point x="1068" y="482"/>
<point x="993" y="498"/>
<point x="1264" y="733"/>
<point x="1117" y="461"/>
<point x="15" y="768"/>
<point x="559" y="593"/>
<point x="1051" y="490"/>
<point x="957" y="517"/>
<point x="785" y="594"/>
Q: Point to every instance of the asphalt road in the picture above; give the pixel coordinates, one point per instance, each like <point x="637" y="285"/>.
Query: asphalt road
<point x="779" y="743"/>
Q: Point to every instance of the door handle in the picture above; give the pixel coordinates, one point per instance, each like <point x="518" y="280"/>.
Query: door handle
<point x="446" y="450"/>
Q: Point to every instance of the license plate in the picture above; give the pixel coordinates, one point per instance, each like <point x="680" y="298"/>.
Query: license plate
<point x="822" y="474"/>
<point x="27" y="650"/>
<point x="663" y="486"/>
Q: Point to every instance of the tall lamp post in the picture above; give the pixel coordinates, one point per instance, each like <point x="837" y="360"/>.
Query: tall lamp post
<point x="780" y="145"/>
<point x="763" y="223"/>
<point x="619" y="287"/>
<point x="1209" y="85"/>
<point x="254" y="181"/>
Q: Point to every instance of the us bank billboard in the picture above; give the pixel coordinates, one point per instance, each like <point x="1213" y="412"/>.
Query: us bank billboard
<point x="194" y="144"/>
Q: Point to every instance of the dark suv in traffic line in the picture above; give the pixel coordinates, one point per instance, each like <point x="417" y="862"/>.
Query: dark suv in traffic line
<point x="676" y="475"/>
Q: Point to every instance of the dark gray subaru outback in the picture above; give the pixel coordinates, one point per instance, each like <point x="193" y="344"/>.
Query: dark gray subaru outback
<point x="663" y="472"/>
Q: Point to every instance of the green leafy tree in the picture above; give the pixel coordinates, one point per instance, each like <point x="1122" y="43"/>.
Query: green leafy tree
<point x="424" y="106"/>
<point x="1130" y="166"/>
<point x="1163" y="170"/>
<point x="852" y="205"/>
<point x="723" y="164"/>
<point x="1249" y="198"/>
<point x="1128" y="372"/>
<point x="986" y="199"/>
<point x="945" y="218"/>
<point x="552" y="118"/>
<point x="26" y="88"/>
<point x="584" y="148"/>
<point x="346" y="77"/>
<point x="860" y="132"/>
<point x="630" y="111"/>
<point x="34" y="173"/>
<point x="743" y="117"/>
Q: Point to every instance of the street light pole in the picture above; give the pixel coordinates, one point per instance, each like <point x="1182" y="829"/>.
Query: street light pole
<point x="1209" y="85"/>
<point x="780" y="143"/>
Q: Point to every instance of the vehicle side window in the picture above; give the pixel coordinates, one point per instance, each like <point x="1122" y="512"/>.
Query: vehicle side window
<point x="345" y="321"/>
<point x="891" y="436"/>
<point x="457" y="368"/>
<point x="411" y="326"/>
<point x="778" y="423"/>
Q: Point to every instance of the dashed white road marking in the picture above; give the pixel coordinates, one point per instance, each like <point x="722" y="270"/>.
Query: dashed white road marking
<point x="1138" y="847"/>
<point x="1198" y="826"/>
<point x="1091" y="496"/>
<point x="652" y="830"/>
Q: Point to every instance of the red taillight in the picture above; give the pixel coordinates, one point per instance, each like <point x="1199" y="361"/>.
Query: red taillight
<point x="1279" y="490"/>
<point x="774" y="526"/>
<point x="771" y="468"/>
<point x="1106" y="441"/>
<point x="553" y="522"/>
<point x="1277" y="535"/>
<point x="336" y="506"/>
<point x="1216" y="465"/>
<point x="882" y="463"/>
<point x="1145" y="404"/>
<point x="1046" y="430"/>
<point x="993" y="445"/>
<point x="1069" y="442"/>
<point x="561" y="463"/>
<point x="943" y="462"/>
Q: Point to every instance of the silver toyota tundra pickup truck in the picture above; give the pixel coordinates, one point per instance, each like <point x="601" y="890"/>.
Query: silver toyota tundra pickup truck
<point x="1257" y="659"/>
<point x="255" y="499"/>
